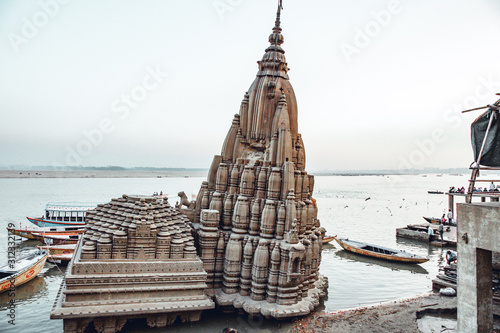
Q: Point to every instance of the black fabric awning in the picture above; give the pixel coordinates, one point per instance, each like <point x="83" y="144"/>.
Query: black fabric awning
<point x="491" y="153"/>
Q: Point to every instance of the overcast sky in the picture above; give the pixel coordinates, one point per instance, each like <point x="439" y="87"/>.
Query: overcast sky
<point x="379" y="84"/>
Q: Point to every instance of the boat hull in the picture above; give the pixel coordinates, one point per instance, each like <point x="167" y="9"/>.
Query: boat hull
<point x="391" y="257"/>
<point x="432" y="219"/>
<point x="24" y="275"/>
<point x="327" y="240"/>
<point x="59" y="249"/>
<point x="32" y="233"/>
<point x="49" y="223"/>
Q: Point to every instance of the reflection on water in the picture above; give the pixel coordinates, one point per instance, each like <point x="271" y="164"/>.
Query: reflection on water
<point x="392" y="265"/>
<point x="26" y="293"/>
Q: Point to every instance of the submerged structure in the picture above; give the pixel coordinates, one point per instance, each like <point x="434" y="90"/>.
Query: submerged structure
<point x="258" y="233"/>
<point x="137" y="259"/>
<point x="253" y="241"/>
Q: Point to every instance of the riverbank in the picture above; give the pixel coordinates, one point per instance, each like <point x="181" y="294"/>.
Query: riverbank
<point x="98" y="174"/>
<point x="396" y="316"/>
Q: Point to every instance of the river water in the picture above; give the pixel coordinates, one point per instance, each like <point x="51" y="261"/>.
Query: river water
<point x="364" y="208"/>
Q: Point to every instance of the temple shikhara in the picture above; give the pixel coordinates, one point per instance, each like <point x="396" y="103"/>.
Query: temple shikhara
<point x="250" y="242"/>
<point x="258" y="233"/>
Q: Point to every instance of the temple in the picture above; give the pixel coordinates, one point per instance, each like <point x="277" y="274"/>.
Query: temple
<point x="258" y="233"/>
<point x="251" y="241"/>
<point x="137" y="259"/>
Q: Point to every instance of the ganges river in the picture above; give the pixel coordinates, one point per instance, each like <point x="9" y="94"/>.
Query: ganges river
<point x="364" y="208"/>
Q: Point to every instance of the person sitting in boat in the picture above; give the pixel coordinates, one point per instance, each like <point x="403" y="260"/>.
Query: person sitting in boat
<point x="451" y="257"/>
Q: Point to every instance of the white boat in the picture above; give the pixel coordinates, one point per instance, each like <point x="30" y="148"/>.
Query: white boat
<point x="64" y="214"/>
<point x="22" y="270"/>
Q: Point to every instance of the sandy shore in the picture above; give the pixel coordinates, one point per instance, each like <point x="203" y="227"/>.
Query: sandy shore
<point x="98" y="174"/>
<point x="395" y="317"/>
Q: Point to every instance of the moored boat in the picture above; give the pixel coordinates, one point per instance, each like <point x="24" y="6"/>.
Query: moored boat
<point x="59" y="254"/>
<point x="28" y="233"/>
<point x="59" y="249"/>
<point x="379" y="252"/>
<point x="22" y="270"/>
<point x="328" y="239"/>
<point x="58" y="239"/>
<point x="64" y="214"/>
<point x="434" y="220"/>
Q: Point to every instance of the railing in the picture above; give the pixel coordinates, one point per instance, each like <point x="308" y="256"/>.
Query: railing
<point x="71" y="205"/>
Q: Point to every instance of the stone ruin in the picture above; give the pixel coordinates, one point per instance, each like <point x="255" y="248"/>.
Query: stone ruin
<point x="254" y="226"/>
<point x="137" y="259"/>
<point x="258" y="233"/>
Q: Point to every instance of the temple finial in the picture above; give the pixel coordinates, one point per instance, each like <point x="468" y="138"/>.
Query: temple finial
<point x="276" y="37"/>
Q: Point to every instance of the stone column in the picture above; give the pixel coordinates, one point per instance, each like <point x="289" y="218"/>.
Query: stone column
<point x="208" y="238"/>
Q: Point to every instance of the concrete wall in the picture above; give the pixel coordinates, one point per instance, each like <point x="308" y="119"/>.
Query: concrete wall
<point x="478" y="234"/>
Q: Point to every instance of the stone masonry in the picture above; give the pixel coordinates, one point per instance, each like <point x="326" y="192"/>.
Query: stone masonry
<point x="137" y="259"/>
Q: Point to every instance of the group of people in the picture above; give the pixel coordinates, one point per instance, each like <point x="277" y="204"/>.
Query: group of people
<point x="440" y="231"/>
<point x="155" y="194"/>
<point x="457" y="190"/>
<point x="492" y="188"/>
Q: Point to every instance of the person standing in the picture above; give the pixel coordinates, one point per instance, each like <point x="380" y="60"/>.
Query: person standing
<point x="450" y="216"/>
<point x="441" y="230"/>
<point x="431" y="233"/>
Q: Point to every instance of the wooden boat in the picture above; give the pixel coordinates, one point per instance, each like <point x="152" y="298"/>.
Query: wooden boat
<point x="57" y="235"/>
<point x="59" y="254"/>
<point x="328" y="239"/>
<point x="434" y="220"/>
<point x="58" y="249"/>
<point x="64" y="214"/>
<point x="379" y="252"/>
<point x="62" y="259"/>
<point x="12" y="275"/>
<point x="28" y="233"/>
<point x="58" y="239"/>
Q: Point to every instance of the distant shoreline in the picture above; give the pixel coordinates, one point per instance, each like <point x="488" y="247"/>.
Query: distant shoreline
<point x="161" y="174"/>
<point x="99" y="174"/>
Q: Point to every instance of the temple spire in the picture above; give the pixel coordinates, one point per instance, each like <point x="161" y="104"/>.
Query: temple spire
<point x="276" y="38"/>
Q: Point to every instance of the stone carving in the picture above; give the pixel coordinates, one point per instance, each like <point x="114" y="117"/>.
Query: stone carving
<point x="258" y="233"/>
<point x="185" y="201"/>
<point x="136" y="259"/>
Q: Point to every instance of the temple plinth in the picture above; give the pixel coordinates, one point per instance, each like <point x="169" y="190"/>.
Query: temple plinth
<point x="265" y="228"/>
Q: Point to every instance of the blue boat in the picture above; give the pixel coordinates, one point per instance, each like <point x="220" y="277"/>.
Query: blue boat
<point x="64" y="214"/>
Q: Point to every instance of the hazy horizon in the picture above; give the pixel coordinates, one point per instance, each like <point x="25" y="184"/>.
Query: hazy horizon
<point x="379" y="84"/>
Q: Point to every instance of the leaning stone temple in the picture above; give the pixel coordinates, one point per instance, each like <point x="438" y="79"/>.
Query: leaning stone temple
<point x="137" y="259"/>
<point x="251" y="241"/>
<point x="257" y="228"/>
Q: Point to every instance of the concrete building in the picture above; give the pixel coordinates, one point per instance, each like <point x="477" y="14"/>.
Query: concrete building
<point x="478" y="234"/>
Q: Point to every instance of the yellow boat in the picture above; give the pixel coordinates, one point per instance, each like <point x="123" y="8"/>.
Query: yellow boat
<point x="14" y="274"/>
<point x="328" y="239"/>
<point x="379" y="252"/>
